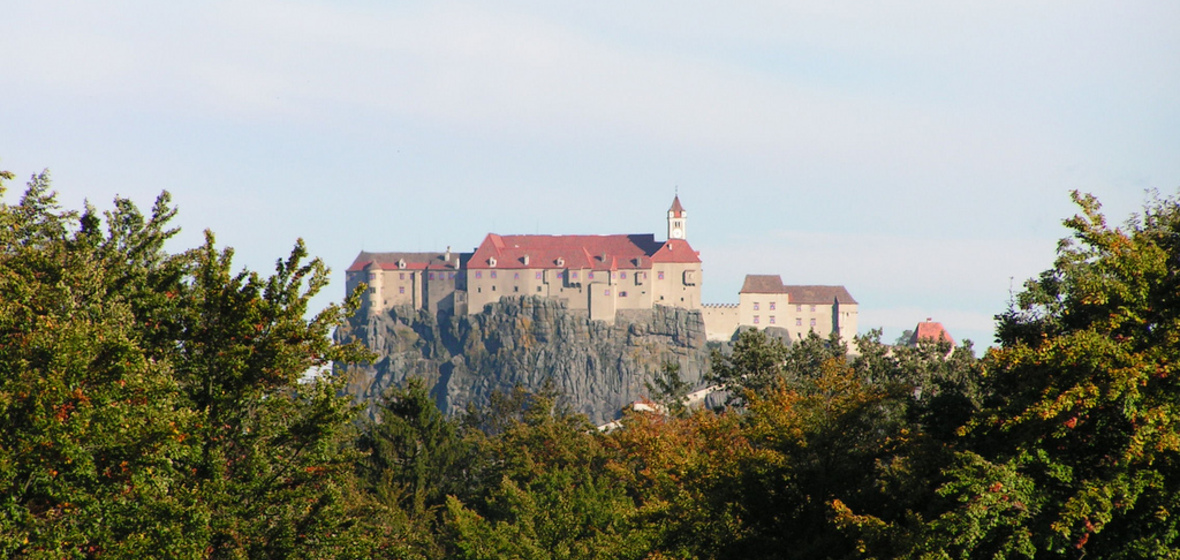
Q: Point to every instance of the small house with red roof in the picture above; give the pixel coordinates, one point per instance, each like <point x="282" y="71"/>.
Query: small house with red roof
<point x="930" y="331"/>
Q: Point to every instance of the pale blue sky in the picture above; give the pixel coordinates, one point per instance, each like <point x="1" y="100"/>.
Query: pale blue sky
<point x="919" y="153"/>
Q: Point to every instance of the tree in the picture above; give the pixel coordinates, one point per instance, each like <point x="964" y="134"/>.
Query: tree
<point x="670" y="390"/>
<point x="1079" y="433"/>
<point x="416" y="457"/>
<point x="151" y="403"/>
<point x="754" y="366"/>
<point x="547" y="493"/>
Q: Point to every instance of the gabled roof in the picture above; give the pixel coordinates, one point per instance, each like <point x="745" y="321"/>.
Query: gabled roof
<point x="818" y="295"/>
<point x="594" y="252"/>
<point x="763" y="284"/>
<point x="676" y="251"/>
<point x="810" y="295"/>
<point x="931" y="331"/>
<point x="677" y="210"/>
<point x="414" y="261"/>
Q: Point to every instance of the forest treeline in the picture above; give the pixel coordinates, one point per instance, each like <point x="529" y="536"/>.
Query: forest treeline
<point x="158" y="404"/>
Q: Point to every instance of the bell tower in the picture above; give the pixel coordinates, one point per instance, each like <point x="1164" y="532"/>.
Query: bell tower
<point x="677" y="220"/>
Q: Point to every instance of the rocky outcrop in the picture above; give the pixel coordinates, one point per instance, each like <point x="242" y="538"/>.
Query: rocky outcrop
<point x="525" y="341"/>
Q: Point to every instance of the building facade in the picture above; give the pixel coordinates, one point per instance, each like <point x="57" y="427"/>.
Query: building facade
<point x="600" y="274"/>
<point x="764" y="301"/>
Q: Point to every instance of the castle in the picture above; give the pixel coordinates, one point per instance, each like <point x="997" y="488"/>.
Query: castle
<point x="602" y="275"/>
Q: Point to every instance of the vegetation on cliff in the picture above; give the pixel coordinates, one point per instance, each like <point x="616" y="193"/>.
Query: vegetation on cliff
<point x="154" y="404"/>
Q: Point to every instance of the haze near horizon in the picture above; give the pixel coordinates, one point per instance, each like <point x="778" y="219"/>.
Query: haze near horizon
<point x="919" y="153"/>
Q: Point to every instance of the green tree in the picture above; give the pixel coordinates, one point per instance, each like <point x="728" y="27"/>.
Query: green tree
<point x="151" y="403"/>
<point x="670" y="390"/>
<point x="416" y="457"/>
<point x="1079" y="433"/>
<point x="548" y="493"/>
<point x="755" y="366"/>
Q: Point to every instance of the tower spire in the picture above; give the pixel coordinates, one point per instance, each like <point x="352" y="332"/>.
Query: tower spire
<point x="677" y="219"/>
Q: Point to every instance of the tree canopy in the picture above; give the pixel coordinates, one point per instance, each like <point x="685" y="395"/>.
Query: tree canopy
<point x="160" y="404"/>
<point x="152" y="403"/>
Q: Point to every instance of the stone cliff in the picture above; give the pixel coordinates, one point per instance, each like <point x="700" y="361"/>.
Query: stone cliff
<point x="525" y="341"/>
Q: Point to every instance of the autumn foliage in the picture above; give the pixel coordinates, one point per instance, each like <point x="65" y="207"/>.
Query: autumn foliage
<point x="158" y="404"/>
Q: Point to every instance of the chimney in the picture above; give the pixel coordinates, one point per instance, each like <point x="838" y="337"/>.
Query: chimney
<point x="447" y="257"/>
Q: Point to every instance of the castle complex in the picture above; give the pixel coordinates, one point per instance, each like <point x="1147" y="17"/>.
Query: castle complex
<point x="599" y="274"/>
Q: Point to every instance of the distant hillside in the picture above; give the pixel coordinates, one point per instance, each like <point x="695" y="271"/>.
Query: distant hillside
<point x="524" y="341"/>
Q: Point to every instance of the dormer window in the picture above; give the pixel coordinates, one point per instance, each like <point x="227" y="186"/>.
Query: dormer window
<point x="401" y="264"/>
<point x="492" y="261"/>
<point x="560" y="261"/>
<point x="526" y="260"/>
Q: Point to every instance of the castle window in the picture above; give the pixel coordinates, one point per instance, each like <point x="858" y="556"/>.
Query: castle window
<point x="493" y="274"/>
<point x="516" y="288"/>
<point x="660" y="275"/>
<point x="606" y="292"/>
<point x="560" y="275"/>
<point x="450" y="276"/>
<point x="622" y="294"/>
<point x="478" y="274"/>
<point x="590" y="275"/>
<point x="574" y="275"/>
<point x="798" y="321"/>
<point x="516" y="276"/>
<point x="755" y="306"/>
<point x="432" y="276"/>
<point x="813" y="321"/>
<point x="538" y="275"/>
<point x="813" y="309"/>
<point x="772" y="308"/>
<point x="401" y="289"/>
<point x="755" y="319"/>
<point x="623" y="274"/>
<point x="372" y="276"/>
<point x="771" y="319"/>
<point x="401" y="276"/>
<point x="538" y="289"/>
<point x="798" y="308"/>
<point x="493" y="287"/>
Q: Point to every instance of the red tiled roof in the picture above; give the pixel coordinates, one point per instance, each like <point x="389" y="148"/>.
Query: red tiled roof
<point x="763" y="284"/>
<point x="595" y="252"/>
<point x="932" y="331"/>
<point x="818" y="295"/>
<point x="414" y="261"/>
<point x="676" y="251"/>
<point x="677" y="210"/>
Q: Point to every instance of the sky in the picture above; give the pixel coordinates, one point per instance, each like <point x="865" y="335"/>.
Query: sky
<point x="919" y="153"/>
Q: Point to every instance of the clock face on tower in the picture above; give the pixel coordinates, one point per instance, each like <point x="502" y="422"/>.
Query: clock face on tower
<point x="677" y="233"/>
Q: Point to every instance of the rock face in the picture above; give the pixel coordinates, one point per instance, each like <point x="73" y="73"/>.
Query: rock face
<point x="525" y="341"/>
